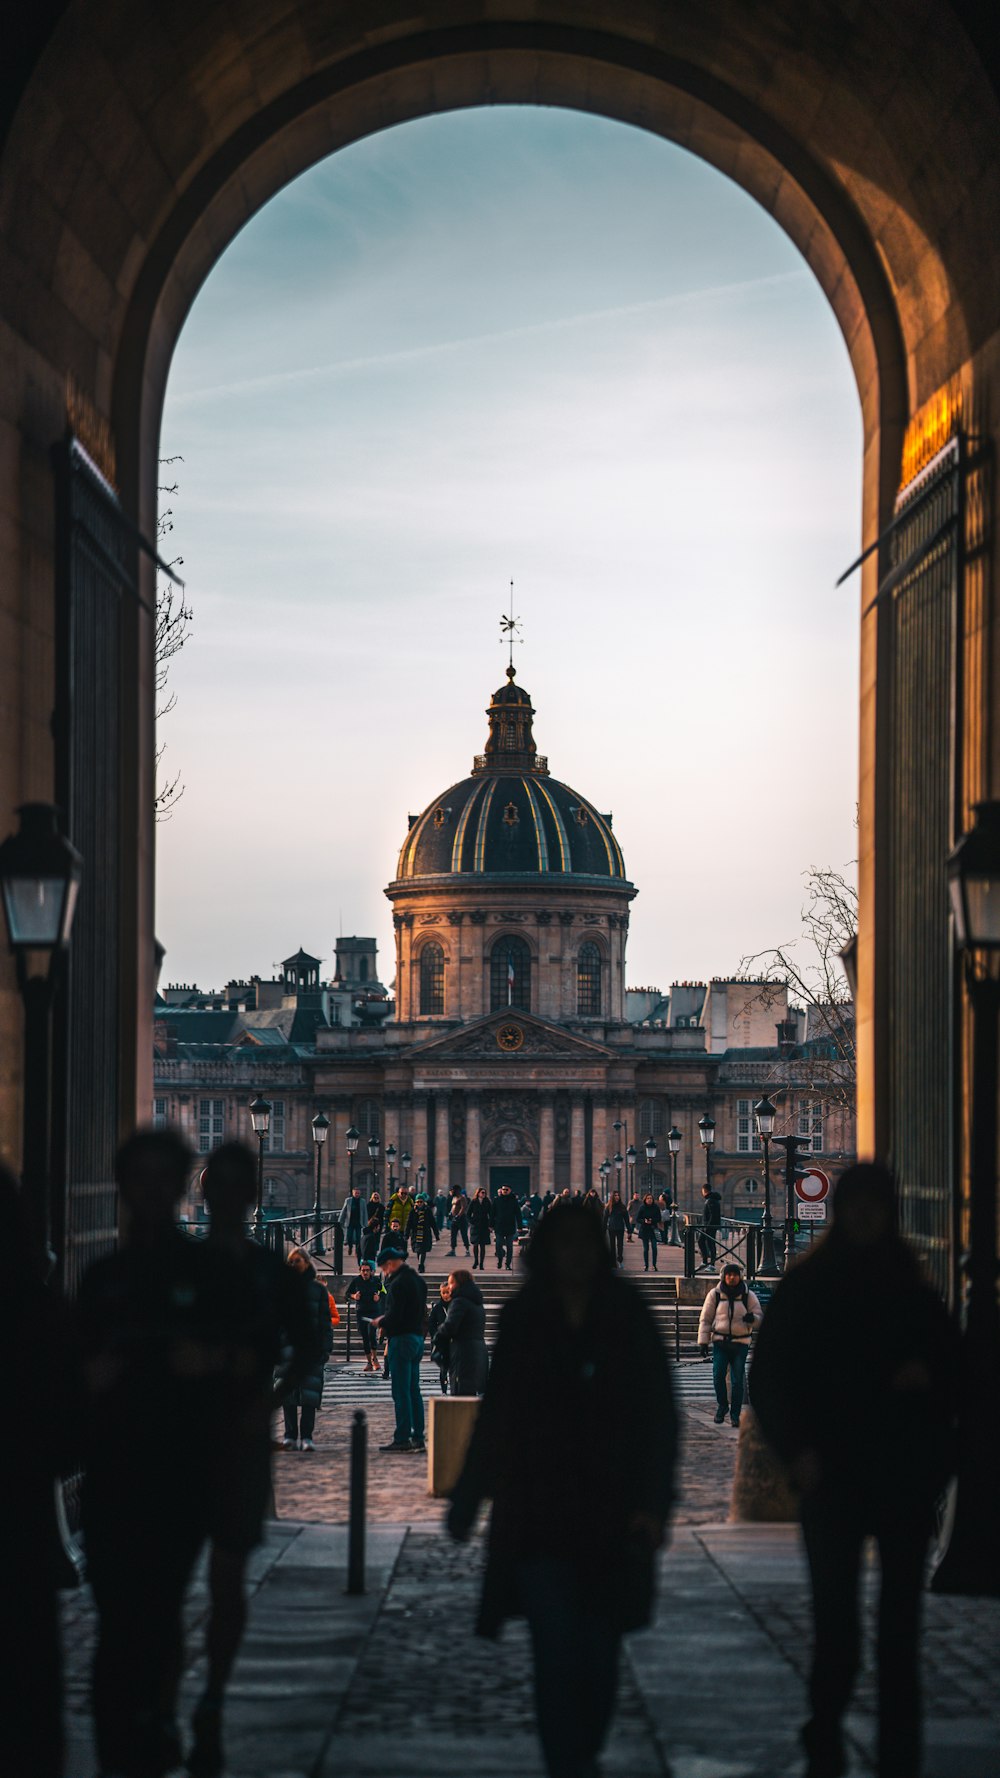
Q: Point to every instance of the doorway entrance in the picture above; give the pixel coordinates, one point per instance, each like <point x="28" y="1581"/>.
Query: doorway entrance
<point x="518" y="1178"/>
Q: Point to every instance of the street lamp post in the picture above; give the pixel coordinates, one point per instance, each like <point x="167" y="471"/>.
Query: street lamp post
<point x="390" y="1155"/>
<point x="40" y="878"/>
<point x="619" y="1163"/>
<point x="421" y="1176"/>
<point x="631" y="1158"/>
<point x="793" y="1167"/>
<point x="352" y="1139"/>
<point x="972" y="1561"/>
<point x="605" y="1171"/>
<point x="260" y="1118"/>
<point x="674" y="1140"/>
<point x="765" y="1113"/>
<point x="405" y="1160"/>
<point x="374" y="1150"/>
<point x="320" y="1130"/>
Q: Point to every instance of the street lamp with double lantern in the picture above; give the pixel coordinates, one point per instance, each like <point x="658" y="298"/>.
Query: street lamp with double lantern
<point x="674" y="1140"/>
<point x="765" y="1114"/>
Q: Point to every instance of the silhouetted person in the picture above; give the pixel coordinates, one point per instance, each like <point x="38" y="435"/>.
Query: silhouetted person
<point x="260" y="1321"/>
<point x="575" y="1443"/>
<point x="144" y="1318"/>
<point x="303" y="1400"/>
<point x="853" y="1383"/>
<point x="41" y="1408"/>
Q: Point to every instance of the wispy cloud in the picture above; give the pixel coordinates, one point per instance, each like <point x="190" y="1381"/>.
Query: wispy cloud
<point x="340" y="367"/>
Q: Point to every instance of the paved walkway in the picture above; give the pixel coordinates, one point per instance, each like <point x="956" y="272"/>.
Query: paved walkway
<point x="394" y="1685"/>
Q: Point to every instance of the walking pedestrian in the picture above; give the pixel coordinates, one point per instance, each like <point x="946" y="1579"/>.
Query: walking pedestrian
<point x="352" y="1219"/>
<point x="616" y="1226"/>
<point x="435" y="1323"/>
<point x="647" y="1222"/>
<point x="463" y="1336"/>
<point x="711" y="1219"/>
<point x="371" y="1241"/>
<point x="595" y="1202"/>
<point x="633" y="1210"/>
<point x="376" y="1209"/>
<point x="480" y="1227"/>
<point x="144" y="1315"/>
<point x="365" y="1292"/>
<point x="533" y="1209"/>
<point x="459" y="1221"/>
<point x="302" y="1403"/>
<point x="729" y="1315"/>
<point x="42" y="1402"/>
<point x="854" y="1385"/>
<point x="440" y="1208"/>
<point x="400" y="1208"/>
<point x="578" y="1411"/>
<point x="261" y="1321"/>
<point x="506" y="1224"/>
<point x="422" y="1229"/>
<point x="402" y="1321"/>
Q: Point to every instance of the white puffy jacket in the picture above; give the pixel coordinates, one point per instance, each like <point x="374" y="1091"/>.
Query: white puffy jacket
<point x="722" y="1316"/>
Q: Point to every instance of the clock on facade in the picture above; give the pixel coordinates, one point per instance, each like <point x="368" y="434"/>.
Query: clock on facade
<point x="510" y="1037"/>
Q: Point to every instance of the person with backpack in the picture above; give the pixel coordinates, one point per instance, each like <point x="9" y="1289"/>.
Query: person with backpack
<point x="729" y="1315"/>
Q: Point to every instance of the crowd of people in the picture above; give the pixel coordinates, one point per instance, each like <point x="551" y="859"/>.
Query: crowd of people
<point x="162" y="1382"/>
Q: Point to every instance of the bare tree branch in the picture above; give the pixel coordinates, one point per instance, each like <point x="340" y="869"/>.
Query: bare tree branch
<point x="173" y="620"/>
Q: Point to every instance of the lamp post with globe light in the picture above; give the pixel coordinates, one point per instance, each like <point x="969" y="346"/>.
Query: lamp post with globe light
<point x="320" y="1130"/>
<point x="260" y="1118"/>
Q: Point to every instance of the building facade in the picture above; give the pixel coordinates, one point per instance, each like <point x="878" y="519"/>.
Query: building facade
<point x="511" y="1057"/>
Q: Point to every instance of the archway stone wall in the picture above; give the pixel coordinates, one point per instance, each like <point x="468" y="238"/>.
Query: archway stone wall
<point x="145" y="137"/>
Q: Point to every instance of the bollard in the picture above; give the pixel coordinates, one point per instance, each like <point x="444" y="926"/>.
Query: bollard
<point x="347" y="1335"/>
<point x="690" y="1265"/>
<point x="338" y="1250"/>
<point x="358" y="1506"/>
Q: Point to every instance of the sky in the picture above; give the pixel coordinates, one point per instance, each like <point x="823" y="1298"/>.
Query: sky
<point x="506" y="345"/>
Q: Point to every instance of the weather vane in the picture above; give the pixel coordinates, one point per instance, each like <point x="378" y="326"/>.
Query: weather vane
<point x="510" y="630"/>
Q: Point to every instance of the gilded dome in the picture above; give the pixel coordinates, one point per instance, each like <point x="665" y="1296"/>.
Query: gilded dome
<point x="509" y="818"/>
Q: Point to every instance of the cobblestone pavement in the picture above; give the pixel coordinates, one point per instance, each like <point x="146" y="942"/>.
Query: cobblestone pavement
<point x="313" y="1486"/>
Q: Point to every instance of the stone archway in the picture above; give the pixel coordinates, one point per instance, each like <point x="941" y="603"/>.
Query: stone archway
<point x="142" y="140"/>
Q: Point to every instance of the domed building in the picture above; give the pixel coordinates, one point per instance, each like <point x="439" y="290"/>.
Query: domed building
<point x="511" y="892"/>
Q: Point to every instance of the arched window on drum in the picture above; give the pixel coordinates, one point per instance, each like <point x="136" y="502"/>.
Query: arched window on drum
<point x="510" y="975"/>
<point x="588" y="981"/>
<point x="431" y="980"/>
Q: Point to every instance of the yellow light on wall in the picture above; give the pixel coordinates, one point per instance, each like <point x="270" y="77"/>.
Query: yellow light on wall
<point x="930" y="429"/>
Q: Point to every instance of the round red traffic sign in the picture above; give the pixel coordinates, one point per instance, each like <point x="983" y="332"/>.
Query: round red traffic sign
<point x="812" y="1185"/>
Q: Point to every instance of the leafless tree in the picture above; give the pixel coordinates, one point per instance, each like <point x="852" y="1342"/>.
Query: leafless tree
<point x="810" y="969"/>
<point x="173" y="619"/>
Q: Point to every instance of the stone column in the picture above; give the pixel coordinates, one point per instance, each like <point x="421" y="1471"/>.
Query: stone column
<point x="577" y="1146"/>
<point x="599" y="1144"/>
<point x="472" y="1157"/>
<point x="418" y="1145"/>
<point x="547" y="1147"/>
<point x="442" y="1143"/>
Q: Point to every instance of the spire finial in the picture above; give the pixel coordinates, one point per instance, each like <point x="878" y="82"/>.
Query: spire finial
<point x="510" y="630"/>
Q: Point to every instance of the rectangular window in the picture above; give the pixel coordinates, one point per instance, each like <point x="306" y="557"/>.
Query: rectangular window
<point x="811" y="1123"/>
<point x="211" y="1124"/>
<point x="159" y="1114"/>
<point x="275" y="1143"/>
<point x="747" y="1140"/>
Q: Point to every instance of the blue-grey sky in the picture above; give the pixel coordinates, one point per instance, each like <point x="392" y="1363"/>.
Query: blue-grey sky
<point x="510" y="344"/>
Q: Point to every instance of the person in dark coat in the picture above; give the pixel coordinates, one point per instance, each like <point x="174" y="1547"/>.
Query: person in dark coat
<point x="402" y="1322"/>
<point x="440" y="1209"/>
<point x="534" y="1207"/>
<point x="376" y="1209"/>
<point x="371" y="1241"/>
<point x="480" y="1227"/>
<point x="854" y="1385"/>
<point x="301" y="1404"/>
<point x="616" y="1226"/>
<point x="506" y="1224"/>
<point x="578" y="1414"/>
<point x="463" y="1336"/>
<point x="422" y="1229"/>
<point x="647" y="1223"/>
<point x="42" y="1401"/>
<point x="711" y="1220"/>
<point x="458" y="1220"/>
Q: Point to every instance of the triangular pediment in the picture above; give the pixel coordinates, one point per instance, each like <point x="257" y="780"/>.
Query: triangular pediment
<point x="512" y="1034"/>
